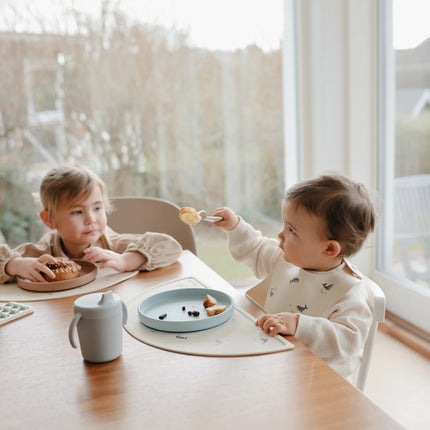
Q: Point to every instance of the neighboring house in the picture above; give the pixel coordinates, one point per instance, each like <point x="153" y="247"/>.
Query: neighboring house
<point x="413" y="66"/>
<point x="413" y="79"/>
<point x="412" y="101"/>
<point x="31" y="95"/>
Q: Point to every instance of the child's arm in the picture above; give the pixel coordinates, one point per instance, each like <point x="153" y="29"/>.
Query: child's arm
<point x="125" y="262"/>
<point x="30" y="268"/>
<point x="248" y="245"/>
<point x="46" y="245"/>
<point x="143" y="252"/>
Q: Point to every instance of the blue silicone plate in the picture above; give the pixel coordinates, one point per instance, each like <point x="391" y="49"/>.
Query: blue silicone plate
<point x="178" y="320"/>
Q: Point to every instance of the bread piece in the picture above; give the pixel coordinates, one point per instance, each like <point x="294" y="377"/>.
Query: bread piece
<point x="189" y="216"/>
<point x="215" y="310"/>
<point x="64" y="269"/>
<point x="209" y="301"/>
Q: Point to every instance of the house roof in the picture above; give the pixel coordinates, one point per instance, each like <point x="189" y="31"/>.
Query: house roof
<point x="412" y="101"/>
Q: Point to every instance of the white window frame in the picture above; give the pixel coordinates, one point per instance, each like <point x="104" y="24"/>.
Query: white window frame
<point x="405" y="298"/>
<point x="339" y="118"/>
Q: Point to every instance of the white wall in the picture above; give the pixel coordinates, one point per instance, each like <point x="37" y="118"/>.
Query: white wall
<point x="336" y="48"/>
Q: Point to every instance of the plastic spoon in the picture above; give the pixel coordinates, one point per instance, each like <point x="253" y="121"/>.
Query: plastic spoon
<point x="205" y="217"/>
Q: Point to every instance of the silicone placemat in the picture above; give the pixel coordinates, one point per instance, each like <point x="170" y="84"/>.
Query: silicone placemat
<point x="105" y="278"/>
<point x="236" y="337"/>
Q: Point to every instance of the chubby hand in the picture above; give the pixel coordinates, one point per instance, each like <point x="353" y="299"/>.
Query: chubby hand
<point x="31" y="268"/>
<point x="125" y="262"/>
<point x="282" y="323"/>
<point x="229" y="218"/>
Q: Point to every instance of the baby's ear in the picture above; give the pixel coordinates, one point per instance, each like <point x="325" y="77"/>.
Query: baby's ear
<point x="45" y="218"/>
<point x="332" y="249"/>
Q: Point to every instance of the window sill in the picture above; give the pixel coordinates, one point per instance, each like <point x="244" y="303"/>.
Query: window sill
<point x="411" y="336"/>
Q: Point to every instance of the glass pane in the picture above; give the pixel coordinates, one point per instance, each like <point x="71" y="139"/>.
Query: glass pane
<point x="411" y="255"/>
<point x="178" y="100"/>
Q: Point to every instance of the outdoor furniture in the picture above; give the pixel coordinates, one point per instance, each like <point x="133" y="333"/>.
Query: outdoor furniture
<point x="412" y="224"/>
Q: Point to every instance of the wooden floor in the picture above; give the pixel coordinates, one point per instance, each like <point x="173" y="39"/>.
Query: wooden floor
<point x="399" y="382"/>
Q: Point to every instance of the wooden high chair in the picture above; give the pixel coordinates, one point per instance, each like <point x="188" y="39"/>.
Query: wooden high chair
<point x="142" y="214"/>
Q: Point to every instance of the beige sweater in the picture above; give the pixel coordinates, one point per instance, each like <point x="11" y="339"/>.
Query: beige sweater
<point x="160" y="249"/>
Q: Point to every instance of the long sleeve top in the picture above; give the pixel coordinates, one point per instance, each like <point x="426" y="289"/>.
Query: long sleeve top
<point x="159" y="249"/>
<point x="335" y="306"/>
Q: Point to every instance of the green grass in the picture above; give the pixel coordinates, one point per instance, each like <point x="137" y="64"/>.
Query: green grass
<point x="213" y="250"/>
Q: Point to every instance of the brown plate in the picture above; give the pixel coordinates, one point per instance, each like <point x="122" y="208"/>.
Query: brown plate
<point x="88" y="274"/>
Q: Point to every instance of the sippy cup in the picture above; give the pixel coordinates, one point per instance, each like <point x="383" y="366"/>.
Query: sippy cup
<point x="99" y="319"/>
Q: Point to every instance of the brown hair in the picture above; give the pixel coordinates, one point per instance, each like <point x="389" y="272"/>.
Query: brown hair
<point x="73" y="183"/>
<point x="344" y="204"/>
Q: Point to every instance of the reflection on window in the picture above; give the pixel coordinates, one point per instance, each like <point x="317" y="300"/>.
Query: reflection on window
<point x="151" y="112"/>
<point x="412" y="163"/>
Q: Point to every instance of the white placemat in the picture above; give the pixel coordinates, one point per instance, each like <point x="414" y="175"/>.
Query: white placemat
<point x="237" y="337"/>
<point x="105" y="279"/>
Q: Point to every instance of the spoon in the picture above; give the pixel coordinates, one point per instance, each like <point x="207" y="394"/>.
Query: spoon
<point x="205" y="217"/>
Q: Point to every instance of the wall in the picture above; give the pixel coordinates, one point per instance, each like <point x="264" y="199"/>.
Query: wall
<point x="336" y="49"/>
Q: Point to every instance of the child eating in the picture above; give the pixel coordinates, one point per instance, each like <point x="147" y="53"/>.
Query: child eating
<point x="314" y="293"/>
<point x="75" y="207"/>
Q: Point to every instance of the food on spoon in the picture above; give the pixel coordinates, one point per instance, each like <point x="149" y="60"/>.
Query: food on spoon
<point x="209" y="301"/>
<point x="189" y="215"/>
<point x="215" y="310"/>
<point x="64" y="269"/>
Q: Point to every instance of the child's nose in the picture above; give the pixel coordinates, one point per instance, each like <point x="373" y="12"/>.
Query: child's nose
<point x="90" y="218"/>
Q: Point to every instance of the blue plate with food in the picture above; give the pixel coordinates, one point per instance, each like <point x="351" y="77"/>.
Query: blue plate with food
<point x="185" y="310"/>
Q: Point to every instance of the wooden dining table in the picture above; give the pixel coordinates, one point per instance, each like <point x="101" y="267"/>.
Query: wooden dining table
<point x="46" y="384"/>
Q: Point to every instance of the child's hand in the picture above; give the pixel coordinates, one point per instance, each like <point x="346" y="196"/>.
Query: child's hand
<point x="229" y="219"/>
<point x="30" y="268"/>
<point x="126" y="262"/>
<point x="283" y="323"/>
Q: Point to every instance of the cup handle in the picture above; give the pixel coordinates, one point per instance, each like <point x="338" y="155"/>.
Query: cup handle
<point x="75" y="320"/>
<point x="124" y="313"/>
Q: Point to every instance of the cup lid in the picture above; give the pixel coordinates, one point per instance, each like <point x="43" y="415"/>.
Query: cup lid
<point x="96" y="303"/>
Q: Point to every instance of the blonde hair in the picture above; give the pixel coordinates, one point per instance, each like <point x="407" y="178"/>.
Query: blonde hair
<point x="343" y="204"/>
<point x="74" y="183"/>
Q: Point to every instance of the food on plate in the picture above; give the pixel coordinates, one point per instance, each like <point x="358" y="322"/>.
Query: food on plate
<point x="212" y="308"/>
<point x="209" y="301"/>
<point x="64" y="269"/>
<point x="189" y="216"/>
<point x="162" y="316"/>
<point x="215" y="310"/>
<point x="193" y="313"/>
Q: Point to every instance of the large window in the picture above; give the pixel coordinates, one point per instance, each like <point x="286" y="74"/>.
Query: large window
<point x="404" y="246"/>
<point x="178" y="100"/>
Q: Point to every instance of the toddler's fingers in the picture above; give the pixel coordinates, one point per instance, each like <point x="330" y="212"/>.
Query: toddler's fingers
<point x="271" y="326"/>
<point x="46" y="258"/>
<point x="40" y="268"/>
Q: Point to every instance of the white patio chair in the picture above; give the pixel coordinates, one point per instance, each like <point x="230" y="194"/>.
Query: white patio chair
<point x="412" y="223"/>
<point x="141" y="214"/>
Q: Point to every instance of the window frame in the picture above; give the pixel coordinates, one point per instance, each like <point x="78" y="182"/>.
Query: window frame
<point x="339" y="76"/>
<point x="405" y="298"/>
